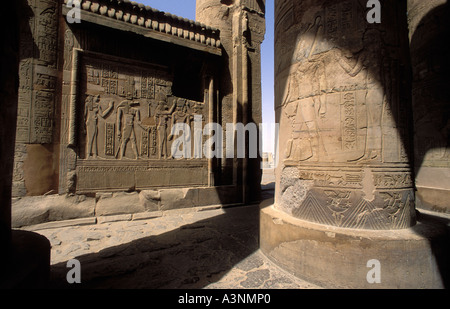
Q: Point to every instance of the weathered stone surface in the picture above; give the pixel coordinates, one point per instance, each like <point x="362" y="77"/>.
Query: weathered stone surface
<point x="125" y="140"/>
<point x="344" y="187"/>
<point x="147" y="215"/>
<point x="93" y="118"/>
<point x="135" y="17"/>
<point x="35" y="210"/>
<point x="61" y="224"/>
<point x="242" y="30"/>
<point x="37" y="96"/>
<point x="114" y="218"/>
<point x="38" y="210"/>
<point x="222" y="195"/>
<point x="433" y="199"/>
<point x="174" y="251"/>
<point x="333" y="257"/>
<point x="118" y="203"/>
<point x="38" y="170"/>
<point x="178" y="198"/>
<point x="150" y="199"/>
<point x="344" y="115"/>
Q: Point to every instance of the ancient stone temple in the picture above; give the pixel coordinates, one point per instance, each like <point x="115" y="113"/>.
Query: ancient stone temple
<point x="345" y="180"/>
<point x="113" y="110"/>
<point x="104" y="99"/>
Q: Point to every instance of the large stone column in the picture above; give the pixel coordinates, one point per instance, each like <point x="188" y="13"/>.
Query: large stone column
<point x="242" y="30"/>
<point x="428" y="24"/>
<point x="34" y="169"/>
<point x="344" y="180"/>
<point x="343" y="105"/>
<point x="25" y="256"/>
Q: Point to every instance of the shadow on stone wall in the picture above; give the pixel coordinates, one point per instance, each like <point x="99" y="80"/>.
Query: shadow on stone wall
<point x="431" y="109"/>
<point x="429" y="52"/>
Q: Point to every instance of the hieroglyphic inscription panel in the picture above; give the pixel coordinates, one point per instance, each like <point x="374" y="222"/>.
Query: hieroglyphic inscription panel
<point x="38" y="75"/>
<point x="38" y="47"/>
<point x="125" y="113"/>
<point x="342" y="101"/>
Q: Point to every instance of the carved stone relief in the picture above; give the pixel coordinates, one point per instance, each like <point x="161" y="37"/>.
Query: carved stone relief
<point x="37" y="83"/>
<point x="340" y="197"/>
<point x="344" y="117"/>
<point x="338" y="107"/>
<point x="125" y="113"/>
<point x="37" y="71"/>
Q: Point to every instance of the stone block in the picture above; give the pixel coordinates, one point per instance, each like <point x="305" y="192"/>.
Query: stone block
<point x="150" y="199"/>
<point x="433" y="199"/>
<point x="214" y="196"/>
<point x="118" y="203"/>
<point x="38" y="169"/>
<point x="178" y="198"/>
<point x="61" y="224"/>
<point x="113" y="218"/>
<point x="40" y="209"/>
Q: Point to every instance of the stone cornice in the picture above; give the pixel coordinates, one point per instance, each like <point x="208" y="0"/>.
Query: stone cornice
<point x="151" y="23"/>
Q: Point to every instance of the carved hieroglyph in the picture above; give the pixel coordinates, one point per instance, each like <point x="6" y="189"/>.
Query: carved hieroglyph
<point x="340" y="98"/>
<point x="37" y="91"/>
<point x="124" y="113"/>
<point x="38" y="75"/>
<point x="128" y="111"/>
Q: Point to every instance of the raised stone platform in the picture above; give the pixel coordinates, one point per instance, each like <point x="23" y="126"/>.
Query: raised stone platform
<point x="335" y="257"/>
<point x="28" y="211"/>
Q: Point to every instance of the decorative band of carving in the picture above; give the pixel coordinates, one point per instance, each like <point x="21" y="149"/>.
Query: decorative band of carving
<point x="375" y="199"/>
<point x="152" y="19"/>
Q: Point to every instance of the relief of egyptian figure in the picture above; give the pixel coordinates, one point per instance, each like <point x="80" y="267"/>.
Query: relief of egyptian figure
<point x="93" y="110"/>
<point x="162" y="115"/>
<point x="182" y="115"/>
<point x="368" y="65"/>
<point x="305" y="101"/>
<point x="127" y="115"/>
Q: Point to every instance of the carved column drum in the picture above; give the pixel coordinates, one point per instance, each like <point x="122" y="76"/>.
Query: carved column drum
<point x="342" y="93"/>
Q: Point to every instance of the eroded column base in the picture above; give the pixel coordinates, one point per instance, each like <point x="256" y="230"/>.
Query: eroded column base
<point x="334" y="257"/>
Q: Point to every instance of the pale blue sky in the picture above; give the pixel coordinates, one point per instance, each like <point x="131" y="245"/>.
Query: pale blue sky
<point x="186" y="8"/>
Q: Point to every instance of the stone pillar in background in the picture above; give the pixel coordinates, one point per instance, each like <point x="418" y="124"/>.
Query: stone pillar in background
<point x="344" y="198"/>
<point x="242" y="29"/>
<point x="342" y="100"/>
<point x="25" y="256"/>
<point x="33" y="167"/>
<point x="428" y="25"/>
